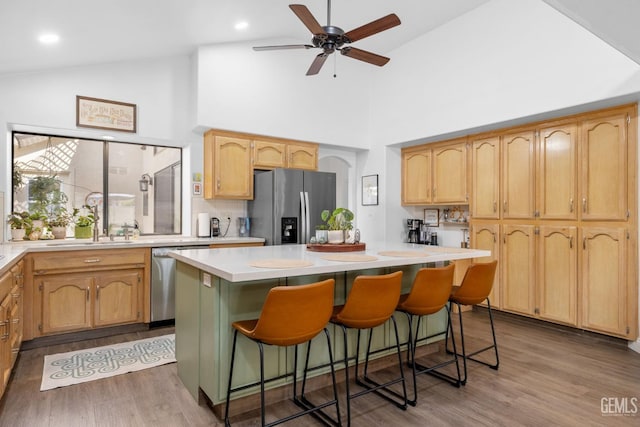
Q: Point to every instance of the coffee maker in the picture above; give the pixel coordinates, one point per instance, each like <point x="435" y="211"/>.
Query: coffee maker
<point x="413" y="235"/>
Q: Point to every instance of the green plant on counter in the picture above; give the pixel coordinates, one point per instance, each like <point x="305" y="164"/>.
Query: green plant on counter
<point x="82" y="219"/>
<point x="339" y="219"/>
<point x="61" y="218"/>
<point x="19" y="220"/>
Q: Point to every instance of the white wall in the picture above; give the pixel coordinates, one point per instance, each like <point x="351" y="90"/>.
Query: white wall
<point x="501" y="63"/>
<point x="45" y="101"/>
<point x="268" y="93"/>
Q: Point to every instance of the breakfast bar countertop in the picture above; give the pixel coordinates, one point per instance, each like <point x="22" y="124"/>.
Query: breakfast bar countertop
<point x="269" y="262"/>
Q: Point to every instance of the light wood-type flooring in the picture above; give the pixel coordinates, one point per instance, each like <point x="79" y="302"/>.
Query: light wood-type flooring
<point x="548" y="376"/>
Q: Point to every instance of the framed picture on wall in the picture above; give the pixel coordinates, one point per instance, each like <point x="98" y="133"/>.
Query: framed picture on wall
<point x="369" y="190"/>
<point x="104" y="114"/>
<point x="432" y="217"/>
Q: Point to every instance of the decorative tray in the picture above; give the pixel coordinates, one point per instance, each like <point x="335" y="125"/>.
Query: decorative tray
<point x="342" y="247"/>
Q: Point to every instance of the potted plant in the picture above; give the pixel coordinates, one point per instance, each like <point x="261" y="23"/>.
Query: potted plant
<point x="338" y="221"/>
<point x="19" y="222"/>
<point x="59" y="222"/>
<point x="38" y="218"/>
<point x="322" y="233"/>
<point x="83" y="222"/>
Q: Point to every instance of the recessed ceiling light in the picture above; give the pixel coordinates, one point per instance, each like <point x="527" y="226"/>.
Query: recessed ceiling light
<point x="49" y="38"/>
<point x="242" y="25"/>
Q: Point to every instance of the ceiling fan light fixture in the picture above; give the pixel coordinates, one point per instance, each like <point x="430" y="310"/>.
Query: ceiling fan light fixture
<point x="330" y="38"/>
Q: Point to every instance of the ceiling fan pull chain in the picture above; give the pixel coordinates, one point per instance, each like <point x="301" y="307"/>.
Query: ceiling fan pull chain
<point x="335" y="66"/>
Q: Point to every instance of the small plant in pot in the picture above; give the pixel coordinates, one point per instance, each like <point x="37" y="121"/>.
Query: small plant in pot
<point x="338" y="221"/>
<point x="19" y="222"/>
<point x="84" y="220"/>
<point x="59" y="223"/>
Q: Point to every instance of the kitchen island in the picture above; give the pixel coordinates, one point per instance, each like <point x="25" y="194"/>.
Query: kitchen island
<point x="216" y="288"/>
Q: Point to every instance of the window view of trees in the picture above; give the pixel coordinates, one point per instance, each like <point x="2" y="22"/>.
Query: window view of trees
<point x="61" y="184"/>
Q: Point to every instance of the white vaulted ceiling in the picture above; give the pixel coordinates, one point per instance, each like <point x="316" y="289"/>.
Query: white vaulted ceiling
<point x="123" y="30"/>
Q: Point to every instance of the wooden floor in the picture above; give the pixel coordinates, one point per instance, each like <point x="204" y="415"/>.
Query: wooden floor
<point x="548" y="376"/>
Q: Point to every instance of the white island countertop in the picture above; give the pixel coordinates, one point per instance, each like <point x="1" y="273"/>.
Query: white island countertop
<point x="234" y="264"/>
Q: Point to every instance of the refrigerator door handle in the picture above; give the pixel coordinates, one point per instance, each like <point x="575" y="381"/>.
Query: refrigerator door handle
<point x="303" y="216"/>
<point x="308" y="219"/>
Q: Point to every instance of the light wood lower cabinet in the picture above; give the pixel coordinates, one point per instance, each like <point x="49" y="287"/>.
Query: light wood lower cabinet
<point x="72" y="302"/>
<point x="604" y="280"/>
<point x="487" y="236"/>
<point x="81" y="290"/>
<point x="557" y="274"/>
<point x="518" y="268"/>
<point x="11" y="321"/>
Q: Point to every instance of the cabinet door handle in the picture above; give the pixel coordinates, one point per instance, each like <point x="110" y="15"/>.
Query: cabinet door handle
<point x="98" y="292"/>
<point x="584" y="205"/>
<point x="571" y="204"/>
<point x="584" y="243"/>
<point x="504" y="207"/>
<point x="88" y="293"/>
<point x="218" y="183"/>
<point x="495" y="206"/>
<point x="570" y="242"/>
<point x="91" y="260"/>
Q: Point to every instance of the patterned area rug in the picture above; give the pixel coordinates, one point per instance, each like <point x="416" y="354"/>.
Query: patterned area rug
<point x="77" y="367"/>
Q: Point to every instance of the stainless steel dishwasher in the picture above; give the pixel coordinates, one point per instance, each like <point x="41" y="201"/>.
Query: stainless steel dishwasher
<point x="163" y="284"/>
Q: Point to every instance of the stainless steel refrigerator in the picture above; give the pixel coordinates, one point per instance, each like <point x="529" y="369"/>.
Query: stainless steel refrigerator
<point x="287" y="203"/>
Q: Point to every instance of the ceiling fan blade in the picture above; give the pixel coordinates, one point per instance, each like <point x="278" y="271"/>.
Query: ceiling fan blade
<point x="284" y="46"/>
<point x="363" y="55"/>
<point x="317" y="64"/>
<point x="373" y="27"/>
<point x="307" y="18"/>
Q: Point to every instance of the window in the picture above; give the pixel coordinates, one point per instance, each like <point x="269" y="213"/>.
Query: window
<point x="55" y="174"/>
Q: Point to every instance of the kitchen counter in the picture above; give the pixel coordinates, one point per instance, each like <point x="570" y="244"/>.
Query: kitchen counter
<point x="12" y="251"/>
<point x="216" y="288"/>
<point x="234" y="264"/>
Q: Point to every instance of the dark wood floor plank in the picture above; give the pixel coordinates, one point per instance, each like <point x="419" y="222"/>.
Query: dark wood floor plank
<point x="548" y="376"/>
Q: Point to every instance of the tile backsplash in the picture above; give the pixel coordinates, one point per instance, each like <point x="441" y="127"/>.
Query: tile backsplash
<point x="221" y="209"/>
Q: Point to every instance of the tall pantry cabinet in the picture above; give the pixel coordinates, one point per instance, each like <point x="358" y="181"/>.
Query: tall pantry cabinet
<point x="557" y="201"/>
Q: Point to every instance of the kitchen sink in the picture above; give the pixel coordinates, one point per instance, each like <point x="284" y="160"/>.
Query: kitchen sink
<point x="76" y="243"/>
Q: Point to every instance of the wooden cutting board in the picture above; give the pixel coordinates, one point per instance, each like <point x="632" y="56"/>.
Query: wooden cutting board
<point x="343" y="247"/>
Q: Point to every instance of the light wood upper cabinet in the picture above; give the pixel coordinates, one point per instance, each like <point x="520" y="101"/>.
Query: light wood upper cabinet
<point x="230" y="159"/>
<point x="302" y="156"/>
<point x="267" y="154"/>
<point x="518" y="268"/>
<point x="485" y="178"/>
<point x="227" y="167"/>
<point x="416" y="176"/>
<point x="557" y="172"/>
<point x="557" y="275"/>
<point x="450" y="174"/>
<point x="518" y="175"/>
<point x="435" y="174"/>
<point x="604" y="168"/>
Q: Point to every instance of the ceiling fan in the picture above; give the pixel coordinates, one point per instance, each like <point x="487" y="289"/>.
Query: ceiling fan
<point x="330" y="38"/>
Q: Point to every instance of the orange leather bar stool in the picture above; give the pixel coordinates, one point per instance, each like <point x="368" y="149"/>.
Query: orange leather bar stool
<point x="291" y="315"/>
<point x="429" y="294"/>
<point x="371" y="302"/>
<point x="474" y="289"/>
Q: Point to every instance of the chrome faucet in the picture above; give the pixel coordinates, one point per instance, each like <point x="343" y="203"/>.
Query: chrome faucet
<point x="96" y="231"/>
<point x="127" y="231"/>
